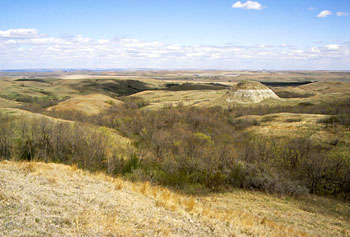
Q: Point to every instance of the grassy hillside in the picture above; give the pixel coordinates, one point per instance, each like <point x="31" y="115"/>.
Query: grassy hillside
<point x="90" y="104"/>
<point x="69" y="201"/>
<point x="163" y="98"/>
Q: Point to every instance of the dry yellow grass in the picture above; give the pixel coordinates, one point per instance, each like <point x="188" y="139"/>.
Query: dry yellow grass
<point x="292" y="76"/>
<point x="287" y="124"/>
<point x="89" y="104"/>
<point x="159" y="99"/>
<point x="258" y="214"/>
<point x="27" y="114"/>
<point x="4" y="103"/>
<point x="327" y="87"/>
<point x="261" y="214"/>
<point x="54" y="199"/>
<point x="79" y="203"/>
<point x="294" y="125"/>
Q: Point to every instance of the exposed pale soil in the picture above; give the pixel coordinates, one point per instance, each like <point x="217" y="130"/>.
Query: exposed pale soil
<point x="251" y="96"/>
<point x="250" y="92"/>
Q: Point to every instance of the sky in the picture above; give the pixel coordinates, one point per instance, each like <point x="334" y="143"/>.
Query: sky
<point x="181" y="34"/>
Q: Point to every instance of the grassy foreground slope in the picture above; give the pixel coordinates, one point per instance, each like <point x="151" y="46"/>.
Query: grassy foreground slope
<point x="54" y="199"/>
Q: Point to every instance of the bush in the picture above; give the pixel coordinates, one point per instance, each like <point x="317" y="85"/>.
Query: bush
<point x="241" y="123"/>
<point x="131" y="164"/>
<point x="250" y="176"/>
<point x="133" y="102"/>
<point x="6" y="137"/>
<point x="268" y="118"/>
<point x="293" y="120"/>
<point x="343" y="119"/>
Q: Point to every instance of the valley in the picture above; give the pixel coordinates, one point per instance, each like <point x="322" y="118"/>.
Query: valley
<point x="178" y="153"/>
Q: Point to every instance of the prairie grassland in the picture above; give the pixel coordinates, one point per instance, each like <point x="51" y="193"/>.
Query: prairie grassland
<point x="328" y="87"/>
<point x="287" y="124"/>
<point x="16" y="90"/>
<point x="293" y="125"/>
<point x="20" y="113"/>
<point x="24" y="90"/>
<point x="54" y="199"/>
<point x="89" y="104"/>
<point x="4" y="103"/>
<point x="294" y="76"/>
<point x="160" y="99"/>
<point x="323" y="92"/>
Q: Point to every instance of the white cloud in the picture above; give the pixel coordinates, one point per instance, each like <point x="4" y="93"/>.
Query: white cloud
<point x="343" y="13"/>
<point x="251" y="5"/>
<point x="103" y="41"/>
<point x="46" y="40"/>
<point x="11" y="41"/>
<point x="315" y="50"/>
<point x="18" y="33"/>
<point x="324" y="14"/>
<point x="42" y="51"/>
<point x="81" y="39"/>
<point x="333" y="46"/>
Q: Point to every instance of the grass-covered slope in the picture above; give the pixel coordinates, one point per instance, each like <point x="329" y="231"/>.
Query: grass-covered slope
<point x="90" y="104"/>
<point x="58" y="200"/>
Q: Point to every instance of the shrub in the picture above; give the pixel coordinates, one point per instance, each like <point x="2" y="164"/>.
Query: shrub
<point x="268" y="118"/>
<point x="133" y="102"/>
<point x="250" y="176"/>
<point x="293" y="120"/>
<point x="343" y="119"/>
<point x="241" y="123"/>
<point x="131" y="164"/>
<point x="6" y="137"/>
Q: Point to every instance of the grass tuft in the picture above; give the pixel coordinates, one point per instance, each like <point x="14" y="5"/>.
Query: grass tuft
<point x="118" y="185"/>
<point x="29" y="167"/>
<point x="189" y="204"/>
<point x="74" y="167"/>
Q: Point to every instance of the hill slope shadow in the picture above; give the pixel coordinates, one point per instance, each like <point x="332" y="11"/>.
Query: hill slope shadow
<point x="111" y="87"/>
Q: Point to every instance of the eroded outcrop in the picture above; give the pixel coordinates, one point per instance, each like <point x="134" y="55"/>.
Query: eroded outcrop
<point x="250" y="92"/>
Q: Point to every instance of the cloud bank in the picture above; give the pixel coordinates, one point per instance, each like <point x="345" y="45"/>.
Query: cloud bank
<point x="27" y="48"/>
<point x="250" y="5"/>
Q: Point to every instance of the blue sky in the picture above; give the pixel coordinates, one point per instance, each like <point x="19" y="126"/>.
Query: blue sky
<point x="208" y="34"/>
